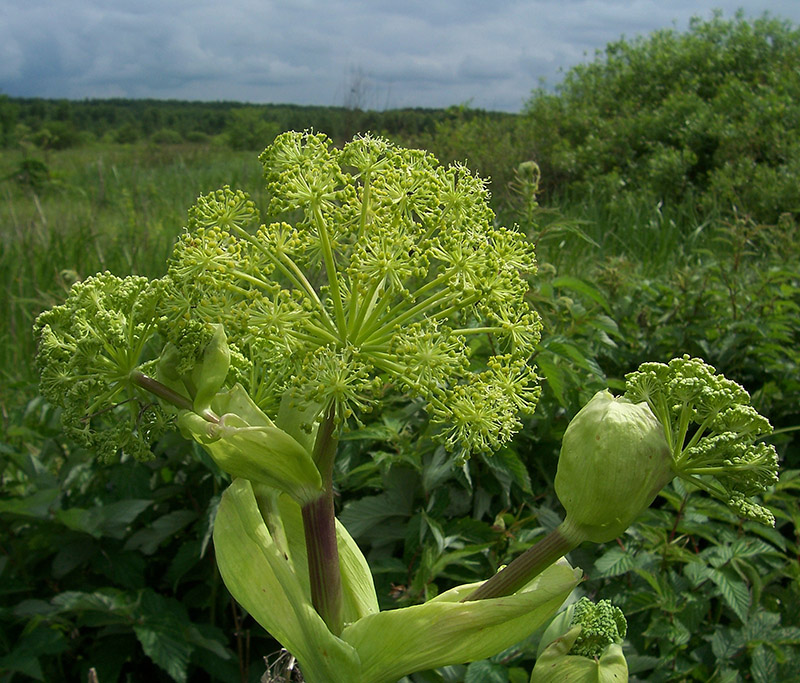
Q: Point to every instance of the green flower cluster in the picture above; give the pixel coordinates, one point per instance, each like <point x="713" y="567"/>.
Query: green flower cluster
<point x="88" y="350"/>
<point x="380" y="270"/>
<point x="722" y="454"/>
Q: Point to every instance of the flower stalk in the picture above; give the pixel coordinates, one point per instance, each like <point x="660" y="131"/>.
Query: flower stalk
<point x="319" y="526"/>
<point x="530" y="564"/>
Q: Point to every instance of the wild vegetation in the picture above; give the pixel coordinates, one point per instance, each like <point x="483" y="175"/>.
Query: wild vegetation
<point x="663" y="206"/>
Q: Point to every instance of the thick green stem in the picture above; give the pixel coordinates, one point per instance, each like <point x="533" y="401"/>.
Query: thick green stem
<point x="530" y="564"/>
<point x="319" y="525"/>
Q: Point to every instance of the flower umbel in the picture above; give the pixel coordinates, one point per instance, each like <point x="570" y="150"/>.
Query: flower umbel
<point x="382" y="270"/>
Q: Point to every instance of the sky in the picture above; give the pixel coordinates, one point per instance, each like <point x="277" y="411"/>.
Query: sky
<point x="373" y="54"/>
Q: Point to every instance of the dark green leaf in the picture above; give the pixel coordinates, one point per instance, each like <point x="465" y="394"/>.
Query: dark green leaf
<point x="733" y="590"/>
<point x="485" y="671"/>
<point x="147" y="540"/>
<point x="614" y="562"/>
<point x="764" y="665"/>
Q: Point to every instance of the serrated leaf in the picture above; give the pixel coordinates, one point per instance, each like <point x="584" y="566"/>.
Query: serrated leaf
<point x="761" y="626"/>
<point x="108" y="600"/>
<point x="553" y="375"/>
<point x="73" y="555"/>
<point x="733" y="590"/>
<point x="24" y="657"/>
<point x="363" y="514"/>
<point x="37" y="505"/>
<point x="508" y="468"/>
<point x="161" y="645"/>
<point x="697" y="572"/>
<point x="104" y="520"/>
<point x="167" y="635"/>
<point x="188" y="556"/>
<point x="614" y="562"/>
<point x="725" y="643"/>
<point x="763" y="665"/>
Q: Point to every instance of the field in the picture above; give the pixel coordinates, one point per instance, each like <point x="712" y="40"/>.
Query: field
<point x="689" y="245"/>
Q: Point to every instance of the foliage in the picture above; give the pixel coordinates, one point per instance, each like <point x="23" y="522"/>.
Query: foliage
<point x="623" y="278"/>
<point x="706" y="598"/>
<point x="108" y="568"/>
<point x="736" y="304"/>
<point x="247" y="129"/>
<point x="704" y="116"/>
<point x="128" y="120"/>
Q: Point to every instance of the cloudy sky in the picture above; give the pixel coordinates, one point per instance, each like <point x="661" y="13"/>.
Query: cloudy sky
<point x="370" y="53"/>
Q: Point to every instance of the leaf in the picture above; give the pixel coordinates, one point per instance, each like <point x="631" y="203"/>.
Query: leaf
<point x="105" y="600"/>
<point x="359" y="516"/>
<point x="37" y="505"/>
<point x="764" y="665"/>
<point x="147" y="540"/>
<point x="553" y="375"/>
<point x="161" y="645"/>
<point x="725" y="643"/>
<point x="168" y="636"/>
<point x="446" y="631"/>
<point x="73" y="555"/>
<point x="186" y="558"/>
<point x="104" y="520"/>
<point x="507" y="467"/>
<point x="614" y="563"/>
<point x="485" y="671"/>
<point x="733" y="590"/>
<point x="582" y="287"/>
<point x="24" y="657"/>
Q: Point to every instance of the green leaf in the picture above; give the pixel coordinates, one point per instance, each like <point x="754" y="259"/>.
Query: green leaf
<point x="446" y="631"/>
<point x="105" y="600"/>
<point x="614" y="562"/>
<point x="582" y="287"/>
<point x="104" y="520"/>
<point x="485" y="671"/>
<point x="24" y="656"/>
<point x="359" y="516"/>
<point x="147" y="540"/>
<point x="37" y="505"/>
<point x="764" y="665"/>
<point x="166" y="633"/>
<point x="733" y="590"/>
<point x="169" y="652"/>
<point x="553" y="375"/>
<point x="73" y="555"/>
<point x="725" y="643"/>
<point x="508" y="468"/>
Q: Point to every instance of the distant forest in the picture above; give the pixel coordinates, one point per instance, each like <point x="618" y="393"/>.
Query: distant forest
<point x="58" y="124"/>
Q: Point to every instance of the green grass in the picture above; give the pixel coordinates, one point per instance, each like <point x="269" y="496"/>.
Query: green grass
<point x="112" y="207"/>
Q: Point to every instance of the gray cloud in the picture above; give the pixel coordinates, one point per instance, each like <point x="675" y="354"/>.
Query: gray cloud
<point x="432" y="53"/>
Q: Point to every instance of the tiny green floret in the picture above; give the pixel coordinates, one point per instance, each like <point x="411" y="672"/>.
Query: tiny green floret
<point x="712" y="431"/>
<point x="89" y="351"/>
<point x="381" y="270"/>
<point x="602" y="624"/>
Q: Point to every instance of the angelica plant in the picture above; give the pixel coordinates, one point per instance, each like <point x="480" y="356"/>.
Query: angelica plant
<point x="679" y="419"/>
<point x="378" y="270"/>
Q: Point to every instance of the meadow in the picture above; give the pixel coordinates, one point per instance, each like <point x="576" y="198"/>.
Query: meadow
<point x="664" y="224"/>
